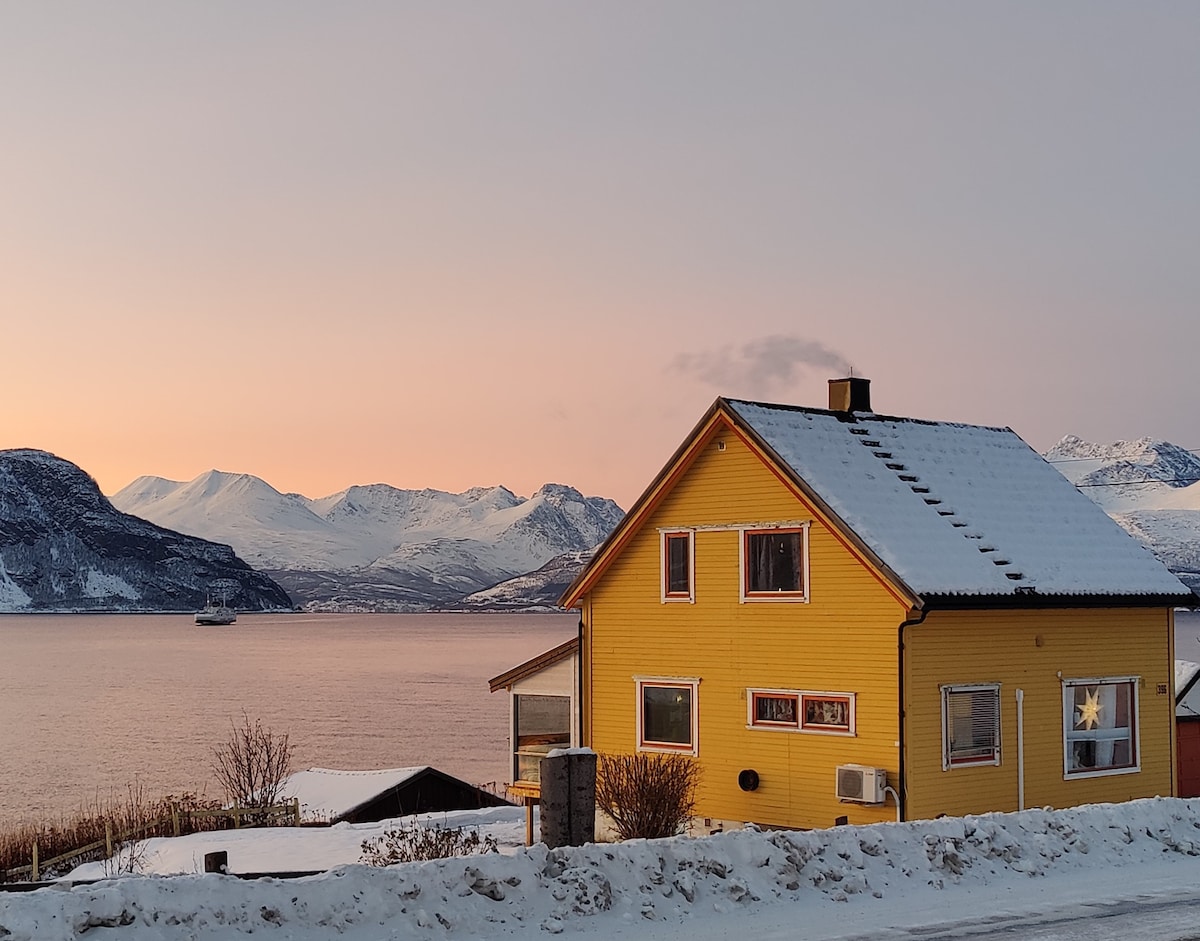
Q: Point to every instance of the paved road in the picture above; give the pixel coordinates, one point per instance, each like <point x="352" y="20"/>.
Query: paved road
<point x="1135" y="920"/>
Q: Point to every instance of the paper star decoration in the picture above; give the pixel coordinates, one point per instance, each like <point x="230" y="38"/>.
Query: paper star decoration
<point x="1089" y="711"/>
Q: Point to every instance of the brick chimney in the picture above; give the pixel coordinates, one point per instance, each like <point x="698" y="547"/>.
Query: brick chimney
<point x="852" y="394"/>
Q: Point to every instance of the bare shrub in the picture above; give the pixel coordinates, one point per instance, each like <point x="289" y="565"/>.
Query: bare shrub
<point x="647" y="796"/>
<point x="415" y="843"/>
<point x="252" y="764"/>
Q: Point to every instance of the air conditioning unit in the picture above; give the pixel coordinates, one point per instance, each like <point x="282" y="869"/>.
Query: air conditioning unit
<point x="861" y="784"/>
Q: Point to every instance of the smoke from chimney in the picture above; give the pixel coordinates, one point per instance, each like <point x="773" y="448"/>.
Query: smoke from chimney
<point x="761" y="367"/>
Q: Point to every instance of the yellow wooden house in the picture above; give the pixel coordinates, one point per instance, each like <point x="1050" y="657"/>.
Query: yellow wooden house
<point x="846" y="616"/>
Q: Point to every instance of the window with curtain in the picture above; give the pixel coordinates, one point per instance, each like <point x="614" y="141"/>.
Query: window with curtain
<point x="1100" y="726"/>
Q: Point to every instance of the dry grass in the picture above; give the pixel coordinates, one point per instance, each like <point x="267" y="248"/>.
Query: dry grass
<point x="132" y="814"/>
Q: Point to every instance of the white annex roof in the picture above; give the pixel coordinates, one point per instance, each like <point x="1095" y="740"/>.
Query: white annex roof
<point x="959" y="510"/>
<point x="1187" y="690"/>
<point x="325" y="794"/>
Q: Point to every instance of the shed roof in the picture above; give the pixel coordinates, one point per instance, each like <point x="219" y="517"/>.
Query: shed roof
<point x="327" y="794"/>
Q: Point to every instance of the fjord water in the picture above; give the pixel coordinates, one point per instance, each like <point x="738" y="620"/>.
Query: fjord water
<point x="93" y="704"/>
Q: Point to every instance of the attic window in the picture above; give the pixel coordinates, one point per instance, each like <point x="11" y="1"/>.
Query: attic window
<point x="678" y="565"/>
<point x="774" y="564"/>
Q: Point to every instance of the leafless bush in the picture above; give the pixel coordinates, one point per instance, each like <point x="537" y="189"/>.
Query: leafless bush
<point x="252" y="764"/>
<point x="647" y="796"/>
<point x="415" y="843"/>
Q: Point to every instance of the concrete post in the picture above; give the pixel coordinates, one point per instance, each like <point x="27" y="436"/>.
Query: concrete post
<point x="568" y="779"/>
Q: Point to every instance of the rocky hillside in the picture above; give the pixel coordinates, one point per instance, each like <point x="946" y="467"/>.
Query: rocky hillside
<point x="535" y="590"/>
<point x="64" y="547"/>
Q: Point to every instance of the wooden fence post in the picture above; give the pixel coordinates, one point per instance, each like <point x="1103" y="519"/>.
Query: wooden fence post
<point x="295" y="811"/>
<point x="237" y="816"/>
<point x="33" y="876"/>
<point x="108" y="839"/>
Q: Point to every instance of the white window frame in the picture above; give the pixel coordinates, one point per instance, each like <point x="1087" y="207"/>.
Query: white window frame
<point x="745" y="596"/>
<point x="691" y="683"/>
<point x="948" y="762"/>
<point x="1068" y="690"/>
<point x="800" y="695"/>
<point x="664" y="566"/>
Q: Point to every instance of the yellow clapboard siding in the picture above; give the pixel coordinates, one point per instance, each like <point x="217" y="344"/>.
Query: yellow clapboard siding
<point x="1034" y="651"/>
<point x="845" y="639"/>
<point x="732" y="646"/>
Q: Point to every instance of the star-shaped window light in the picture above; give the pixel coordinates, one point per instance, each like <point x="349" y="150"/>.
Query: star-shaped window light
<point x="1089" y="710"/>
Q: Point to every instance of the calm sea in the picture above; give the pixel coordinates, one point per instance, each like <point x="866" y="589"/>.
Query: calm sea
<point x="92" y="704"/>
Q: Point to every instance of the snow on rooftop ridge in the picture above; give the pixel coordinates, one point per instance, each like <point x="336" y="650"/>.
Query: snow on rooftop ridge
<point x="326" y="793"/>
<point x="957" y="509"/>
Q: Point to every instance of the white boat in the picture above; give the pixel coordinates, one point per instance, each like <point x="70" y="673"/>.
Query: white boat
<point x="216" y="612"/>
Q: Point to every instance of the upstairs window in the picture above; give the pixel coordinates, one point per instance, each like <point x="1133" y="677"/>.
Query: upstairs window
<point x="970" y="725"/>
<point x="1100" y="726"/>
<point x="678" y="564"/>
<point x="775" y="564"/>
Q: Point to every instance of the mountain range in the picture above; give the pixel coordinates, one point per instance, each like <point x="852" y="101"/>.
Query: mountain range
<point x="380" y="548"/>
<point x="64" y="547"/>
<point x="1150" y="487"/>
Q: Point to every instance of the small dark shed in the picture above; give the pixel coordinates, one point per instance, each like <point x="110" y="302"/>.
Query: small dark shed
<point x="366" y="796"/>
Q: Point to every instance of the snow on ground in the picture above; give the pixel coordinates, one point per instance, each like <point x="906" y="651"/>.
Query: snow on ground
<point x="946" y="877"/>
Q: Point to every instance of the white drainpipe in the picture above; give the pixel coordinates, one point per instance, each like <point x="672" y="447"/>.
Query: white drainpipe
<point x="1020" y="749"/>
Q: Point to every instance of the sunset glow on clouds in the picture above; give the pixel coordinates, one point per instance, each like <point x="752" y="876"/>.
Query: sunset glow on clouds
<point x="440" y="245"/>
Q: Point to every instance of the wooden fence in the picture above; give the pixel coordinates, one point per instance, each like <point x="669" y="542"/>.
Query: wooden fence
<point x="256" y="816"/>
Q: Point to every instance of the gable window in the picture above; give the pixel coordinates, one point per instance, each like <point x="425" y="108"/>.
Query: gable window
<point x="678" y="565"/>
<point x="774" y="564"/>
<point x="970" y="725"/>
<point x="1100" y="718"/>
<point x="798" y="710"/>
<point x="666" y="714"/>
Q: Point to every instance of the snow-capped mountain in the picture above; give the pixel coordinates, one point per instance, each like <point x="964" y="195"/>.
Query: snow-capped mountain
<point x="376" y="546"/>
<point x="64" y="547"/>
<point x="1151" y="488"/>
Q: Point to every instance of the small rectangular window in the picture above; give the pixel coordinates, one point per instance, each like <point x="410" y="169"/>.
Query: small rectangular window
<point x="830" y="713"/>
<point x="667" y="715"/>
<point x="779" y="709"/>
<point x="774" y="564"/>
<point x="970" y="725"/>
<point x="827" y="713"/>
<point x="1100" y="726"/>
<point x="677" y="565"/>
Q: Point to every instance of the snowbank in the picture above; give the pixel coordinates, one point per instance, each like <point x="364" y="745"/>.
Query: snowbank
<point x="841" y="881"/>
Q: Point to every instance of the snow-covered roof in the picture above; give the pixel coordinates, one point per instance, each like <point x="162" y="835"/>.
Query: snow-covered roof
<point x="1187" y="690"/>
<point x="325" y="794"/>
<point x="958" y="510"/>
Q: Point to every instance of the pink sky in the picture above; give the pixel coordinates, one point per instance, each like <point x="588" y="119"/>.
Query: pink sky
<point x="440" y="245"/>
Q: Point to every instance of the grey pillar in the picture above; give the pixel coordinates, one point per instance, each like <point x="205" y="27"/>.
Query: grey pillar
<point x="568" y="815"/>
